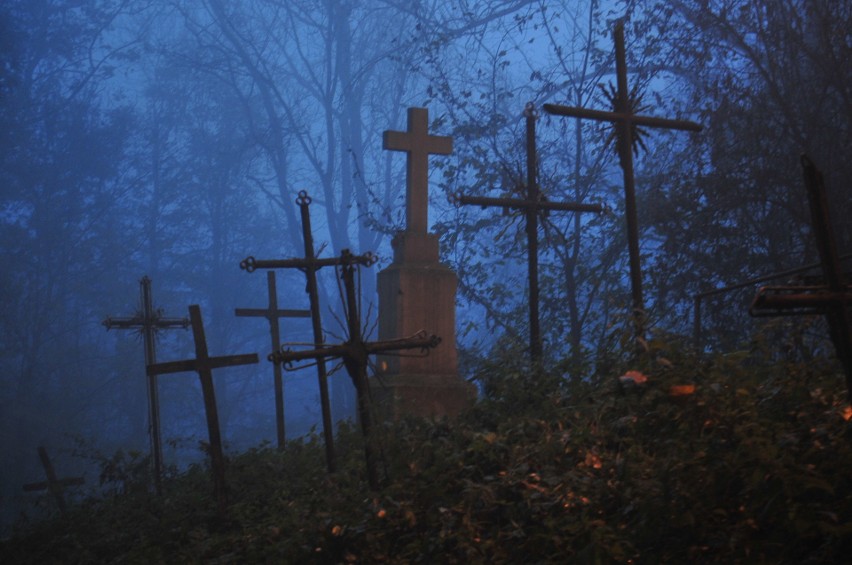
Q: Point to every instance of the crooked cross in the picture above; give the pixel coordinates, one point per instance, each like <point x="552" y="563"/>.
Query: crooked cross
<point x="626" y="122"/>
<point x="355" y="353"/>
<point x="534" y="205"/>
<point x="833" y="297"/>
<point x="419" y="144"/>
<point x="203" y="364"/>
<point x="55" y="486"/>
<point x="310" y="265"/>
<point x="148" y="322"/>
<point x="272" y="313"/>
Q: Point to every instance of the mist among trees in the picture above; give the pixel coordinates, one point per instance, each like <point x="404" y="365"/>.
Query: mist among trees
<point x="170" y="138"/>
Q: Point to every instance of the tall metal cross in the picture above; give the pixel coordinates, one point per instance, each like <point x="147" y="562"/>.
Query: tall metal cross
<point x="54" y="485"/>
<point x="310" y="265"/>
<point x="272" y="313"/>
<point x="535" y="205"/>
<point x="355" y="353"/>
<point x="203" y="364"/>
<point x="148" y="321"/>
<point x="831" y="298"/>
<point x="626" y="122"/>
<point x="419" y="145"/>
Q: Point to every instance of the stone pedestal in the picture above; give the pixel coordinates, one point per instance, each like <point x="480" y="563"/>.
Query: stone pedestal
<point x="417" y="292"/>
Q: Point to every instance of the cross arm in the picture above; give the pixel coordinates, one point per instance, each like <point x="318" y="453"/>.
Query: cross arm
<point x="608" y="116"/>
<point x="277" y="313"/>
<point x="250" y="264"/>
<point x="44" y="485"/>
<point x="199" y="364"/>
<point x="517" y="203"/>
<point x="138" y="321"/>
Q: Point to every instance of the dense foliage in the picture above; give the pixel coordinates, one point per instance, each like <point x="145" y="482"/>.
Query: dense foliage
<point x="724" y="460"/>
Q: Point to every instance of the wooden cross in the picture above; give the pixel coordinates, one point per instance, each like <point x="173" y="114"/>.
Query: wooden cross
<point x="148" y="322"/>
<point x="203" y="364"/>
<point x="833" y="297"/>
<point x="272" y="313"/>
<point x="533" y="206"/>
<point x="626" y="122"/>
<point x="355" y="354"/>
<point x="310" y="265"/>
<point x="53" y="485"/>
<point x="419" y="145"/>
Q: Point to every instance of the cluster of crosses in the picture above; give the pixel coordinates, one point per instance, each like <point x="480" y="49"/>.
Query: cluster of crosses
<point x="356" y="350"/>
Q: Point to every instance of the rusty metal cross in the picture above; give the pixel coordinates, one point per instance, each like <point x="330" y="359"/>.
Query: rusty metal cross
<point x="148" y="322"/>
<point x="833" y="297"/>
<point x="310" y="265"/>
<point x="54" y="485"/>
<point x="355" y="353"/>
<point x="626" y="122"/>
<point x="272" y="313"/>
<point x="419" y="145"/>
<point x="533" y="206"/>
<point x="203" y="364"/>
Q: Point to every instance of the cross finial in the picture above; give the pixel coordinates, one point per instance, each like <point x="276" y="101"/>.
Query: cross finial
<point x="419" y="145"/>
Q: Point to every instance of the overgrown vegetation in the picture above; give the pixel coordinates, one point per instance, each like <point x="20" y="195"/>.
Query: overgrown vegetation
<point x="725" y="460"/>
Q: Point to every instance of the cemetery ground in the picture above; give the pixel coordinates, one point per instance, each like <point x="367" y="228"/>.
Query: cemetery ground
<point x="733" y="458"/>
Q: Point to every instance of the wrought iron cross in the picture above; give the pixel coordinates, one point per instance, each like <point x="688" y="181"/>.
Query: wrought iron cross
<point x="310" y="265"/>
<point x="148" y="322"/>
<point x="355" y="353"/>
<point x="203" y="364"/>
<point x="419" y="145"/>
<point x="626" y="122"/>
<point x="55" y="486"/>
<point x="833" y="297"/>
<point x="533" y="206"/>
<point x="272" y="313"/>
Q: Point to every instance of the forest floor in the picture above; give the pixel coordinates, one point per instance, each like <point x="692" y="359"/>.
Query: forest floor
<point x="722" y="460"/>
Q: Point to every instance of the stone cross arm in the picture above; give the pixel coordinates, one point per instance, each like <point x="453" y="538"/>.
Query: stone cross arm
<point x="419" y="144"/>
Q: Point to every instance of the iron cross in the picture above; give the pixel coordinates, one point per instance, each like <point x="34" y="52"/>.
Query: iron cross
<point x="309" y="265"/>
<point x="272" y="313"/>
<point x="148" y="322"/>
<point x="419" y="145"/>
<point x="355" y="353"/>
<point x="833" y="296"/>
<point x="533" y="206"/>
<point x="54" y="485"/>
<point x="203" y="364"/>
<point x="626" y="122"/>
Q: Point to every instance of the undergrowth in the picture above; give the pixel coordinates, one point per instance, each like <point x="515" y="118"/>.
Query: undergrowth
<point x="709" y="461"/>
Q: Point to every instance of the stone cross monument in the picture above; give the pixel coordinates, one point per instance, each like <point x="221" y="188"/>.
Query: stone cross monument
<point x="418" y="293"/>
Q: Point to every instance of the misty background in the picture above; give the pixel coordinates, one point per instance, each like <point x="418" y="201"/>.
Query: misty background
<point x="170" y="138"/>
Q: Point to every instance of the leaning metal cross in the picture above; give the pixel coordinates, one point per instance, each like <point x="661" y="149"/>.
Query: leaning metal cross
<point x="419" y="145"/>
<point x="148" y="322"/>
<point x="626" y="123"/>
<point x="534" y="205"/>
<point x="309" y="265"/>
<point x="354" y="354"/>
<point x="272" y="313"/>
<point x="833" y="297"/>
<point x="53" y="485"/>
<point x="203" y="364"/>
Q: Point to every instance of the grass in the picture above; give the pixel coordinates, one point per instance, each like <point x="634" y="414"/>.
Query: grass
<point x="746" y="462"/>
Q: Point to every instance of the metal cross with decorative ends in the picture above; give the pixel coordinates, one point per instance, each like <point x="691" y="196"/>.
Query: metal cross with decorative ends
<point x="533" y="206"/>
<point x="355" y="353"/>
<point x="272" y="313"/>
<point x="833" y="297"/>
<point x="626" y="122"/>
<point x="148" y="321"/>
<point x="309" y="265"/>
<point x="53" y="485"/>
<point x="419" y="145"/>
<point x="203" y="364"/>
